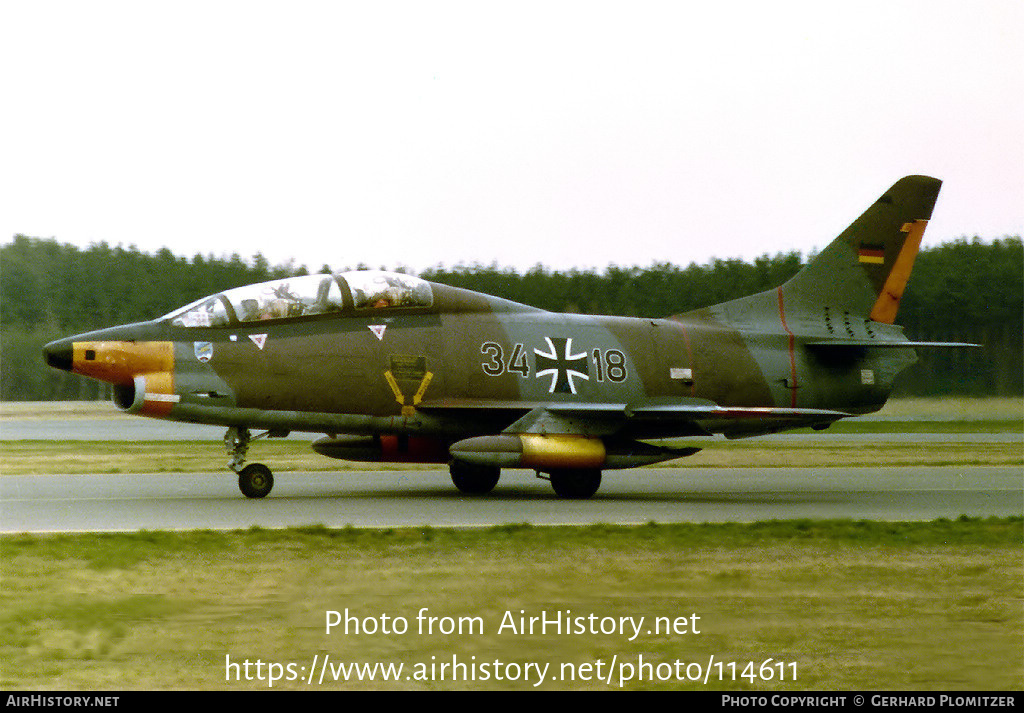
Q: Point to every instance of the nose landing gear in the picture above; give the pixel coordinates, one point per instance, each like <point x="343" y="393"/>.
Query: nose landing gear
<point x="254" y="480"/>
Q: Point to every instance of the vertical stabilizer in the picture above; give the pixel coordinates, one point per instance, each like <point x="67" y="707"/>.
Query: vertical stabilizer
<point x="865" y="270"/>
<point x="861" y="275"/>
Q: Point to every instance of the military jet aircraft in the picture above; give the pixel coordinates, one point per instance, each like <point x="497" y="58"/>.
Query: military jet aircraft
<point x="390" y="367"/>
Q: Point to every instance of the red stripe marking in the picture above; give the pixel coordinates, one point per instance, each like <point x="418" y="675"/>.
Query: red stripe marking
<point x="792" y="348"/>
<point x="689" y="357"/>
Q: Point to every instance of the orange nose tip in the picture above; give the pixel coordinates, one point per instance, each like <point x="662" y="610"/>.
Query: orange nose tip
<point x="116" y="362"/>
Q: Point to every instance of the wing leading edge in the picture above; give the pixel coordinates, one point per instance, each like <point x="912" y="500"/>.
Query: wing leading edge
<point x="873" y="344"/>
<point x="651" y="420"/>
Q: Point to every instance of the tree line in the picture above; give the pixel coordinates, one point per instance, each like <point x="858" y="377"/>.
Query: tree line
<point x="963" y="290"/>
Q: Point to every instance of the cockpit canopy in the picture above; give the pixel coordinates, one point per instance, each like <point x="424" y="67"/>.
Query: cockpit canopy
<point x="307" y="295"/>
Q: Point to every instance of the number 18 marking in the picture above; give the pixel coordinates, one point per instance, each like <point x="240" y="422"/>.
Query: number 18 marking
<point x="610" y="364"/>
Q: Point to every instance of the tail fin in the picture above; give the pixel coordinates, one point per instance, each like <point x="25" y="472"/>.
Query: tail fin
<point x="865" y="270"/>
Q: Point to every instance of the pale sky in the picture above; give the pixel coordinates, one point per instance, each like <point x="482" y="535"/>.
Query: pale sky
<point x="573" y="134"/>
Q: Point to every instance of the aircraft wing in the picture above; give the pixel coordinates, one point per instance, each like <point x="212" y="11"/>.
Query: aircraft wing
<point x="874" y="343"/>
<point x="735" y="421"/>
<point x="650" y="420"/>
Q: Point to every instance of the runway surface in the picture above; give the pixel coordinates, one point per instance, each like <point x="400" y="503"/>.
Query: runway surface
<point x="128" y="502"/>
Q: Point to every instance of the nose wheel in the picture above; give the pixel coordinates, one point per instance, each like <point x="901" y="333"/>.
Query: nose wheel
<point x="254" y="480"/>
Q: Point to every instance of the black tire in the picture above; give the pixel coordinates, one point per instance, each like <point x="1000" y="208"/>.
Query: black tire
<point x="474" y="479"/>
<point x="255" y="480"/>
<point x="576" y="484"/>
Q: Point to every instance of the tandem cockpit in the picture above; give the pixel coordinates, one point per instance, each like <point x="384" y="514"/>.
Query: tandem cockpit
<point x="308" y="295"/>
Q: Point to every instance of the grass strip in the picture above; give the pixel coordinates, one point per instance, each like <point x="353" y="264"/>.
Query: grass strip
<point x="852" y="605"/>
<point x="77" y="457"/>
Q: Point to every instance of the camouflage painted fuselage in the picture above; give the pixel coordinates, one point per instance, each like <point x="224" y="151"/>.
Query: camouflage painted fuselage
<point x="472" y="364"/>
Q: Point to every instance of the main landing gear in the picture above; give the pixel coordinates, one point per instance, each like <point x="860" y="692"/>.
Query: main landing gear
<point x="575" y="483"/>
<point x="473" y="479"/>
<point x="568" y="483"/>
<point x="254" y="480"/>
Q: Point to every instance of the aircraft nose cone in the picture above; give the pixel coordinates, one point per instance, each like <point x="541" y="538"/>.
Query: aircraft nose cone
<point x="58" y="354"/>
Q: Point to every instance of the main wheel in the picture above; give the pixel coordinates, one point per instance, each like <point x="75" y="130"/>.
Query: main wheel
<point x="474" y="479"/>
<point x="255" y="480"/>
<point x="576" y="484"/>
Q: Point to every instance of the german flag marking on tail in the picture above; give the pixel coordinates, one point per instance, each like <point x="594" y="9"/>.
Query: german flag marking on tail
<point x="871" y="253"/>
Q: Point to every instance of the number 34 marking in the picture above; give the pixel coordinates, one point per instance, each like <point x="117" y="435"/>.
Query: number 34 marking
<point x="609" y="364"/>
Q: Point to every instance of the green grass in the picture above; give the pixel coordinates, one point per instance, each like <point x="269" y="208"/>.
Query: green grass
<point x="954" y="408"/>
<point x="924" y="426"/>
<point x="76" y="457"/>
<point x="855" y="605"/>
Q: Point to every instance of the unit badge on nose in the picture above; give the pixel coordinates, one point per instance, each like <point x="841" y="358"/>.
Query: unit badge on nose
<point x="203" y="350"/>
